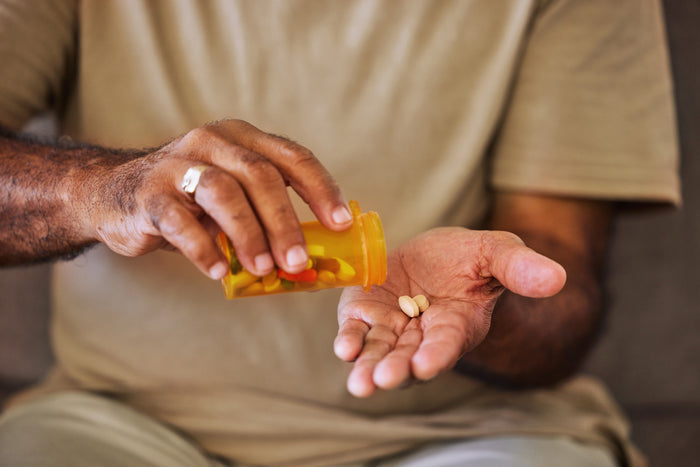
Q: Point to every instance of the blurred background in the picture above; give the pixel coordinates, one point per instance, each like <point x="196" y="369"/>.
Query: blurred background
<point x="649" y="351"/>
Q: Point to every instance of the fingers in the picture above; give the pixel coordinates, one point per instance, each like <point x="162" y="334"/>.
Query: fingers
<point x="396" y="367"/>
<point x="223" y="198"/>
<point x="350" y="339"/>
<point x="179" y="227"/>
<point x="518" y="268"/>
<point x="448" y="331"/>
<point x="245" y="192"/>
<point x="382" y="355"/>
<point x="379" y="341"/>
<point x="301" y="169"/>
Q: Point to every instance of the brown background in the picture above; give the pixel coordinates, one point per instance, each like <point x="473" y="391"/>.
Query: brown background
<point x="650" y="349"/>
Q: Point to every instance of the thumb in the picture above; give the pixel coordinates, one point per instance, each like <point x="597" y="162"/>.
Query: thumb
<point x="519" y="268"/>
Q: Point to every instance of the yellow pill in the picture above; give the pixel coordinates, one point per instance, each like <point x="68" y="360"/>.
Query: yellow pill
<point x="272" y="286"/>
<point x="315" y="250"/>
<point x="269" y="279"/>
<point x="255" y="288"/>
<point x="242" y="279"/>
<point x="422" y="302"/>
<point x="408" y="306"/>
<point x="345" y="271"/>
<point x="326" y="277"/>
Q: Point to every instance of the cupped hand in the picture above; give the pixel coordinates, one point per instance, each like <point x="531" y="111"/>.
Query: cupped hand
<point x="462" y="272"/>
<point x="243" y="192"/>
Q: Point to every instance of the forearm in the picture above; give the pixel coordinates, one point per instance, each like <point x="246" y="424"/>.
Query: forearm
<point x="542" y="341"/>
<point x="46" y="192"/>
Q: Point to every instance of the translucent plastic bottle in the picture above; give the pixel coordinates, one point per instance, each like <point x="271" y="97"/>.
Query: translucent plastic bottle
<point x="356" y="256"/>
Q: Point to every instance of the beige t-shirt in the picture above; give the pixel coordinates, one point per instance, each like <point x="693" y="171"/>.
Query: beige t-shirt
<point x="416" y="108"/>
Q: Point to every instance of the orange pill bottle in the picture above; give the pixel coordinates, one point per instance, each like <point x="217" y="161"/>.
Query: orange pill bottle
<point x="356" y="256"/>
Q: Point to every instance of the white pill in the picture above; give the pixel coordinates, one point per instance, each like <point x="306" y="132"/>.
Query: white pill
<point x="422" y="302"/>
<point x="409" y="306"/>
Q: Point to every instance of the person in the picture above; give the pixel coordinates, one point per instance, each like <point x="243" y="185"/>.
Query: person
<point x="527" y="118"/>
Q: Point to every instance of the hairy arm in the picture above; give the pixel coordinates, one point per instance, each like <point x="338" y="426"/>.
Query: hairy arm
<point x="41" y="189"/>
<point x="59" y="198"/>
<point x="544" y="340"/>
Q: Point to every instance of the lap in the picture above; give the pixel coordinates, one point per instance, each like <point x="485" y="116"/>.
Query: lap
<point x="79" y="429"/>
<point x="506" y="451"/>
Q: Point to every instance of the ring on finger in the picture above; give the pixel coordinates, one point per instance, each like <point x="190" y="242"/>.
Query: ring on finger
<point x="191" y="178"/>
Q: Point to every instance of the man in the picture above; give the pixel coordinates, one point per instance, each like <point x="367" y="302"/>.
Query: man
<point x="524" y="117"/>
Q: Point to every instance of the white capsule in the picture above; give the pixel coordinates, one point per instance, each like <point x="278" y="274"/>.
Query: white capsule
<point x="422" y="302"/>
<point x="409" y="306"/>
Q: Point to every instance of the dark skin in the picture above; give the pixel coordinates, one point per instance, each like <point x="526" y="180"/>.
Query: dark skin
<point x="62" y="198"/>
<point x="56" y="200"/>
<point x="559" y="330"/>
<point x="510" y="338"/>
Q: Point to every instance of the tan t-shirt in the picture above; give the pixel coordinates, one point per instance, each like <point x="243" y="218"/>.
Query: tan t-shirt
<point x="416" y="107"/>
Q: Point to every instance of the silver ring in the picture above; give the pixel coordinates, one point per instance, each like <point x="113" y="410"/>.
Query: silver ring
<point x="191" y="178"/>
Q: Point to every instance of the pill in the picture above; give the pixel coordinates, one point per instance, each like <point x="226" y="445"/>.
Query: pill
<point x="307" y="275"/>
<point x="256" y="288"/>
<point x="326" y="276"/>
<point x="242" y="279"/>
<point x="422" y="302"/>
<point x="271" y="282"/>
<point x="316" y="250"/>
<point x="408" y="306"/>
<point x="329" y="264"/>
<point x="345" y="271"/>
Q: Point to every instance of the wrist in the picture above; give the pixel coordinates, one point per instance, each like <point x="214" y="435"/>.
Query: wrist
<point x="94" y="191"/>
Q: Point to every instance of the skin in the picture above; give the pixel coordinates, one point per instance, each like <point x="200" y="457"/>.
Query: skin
<point x="65" y="197"/>
<point x="483" y="319"/>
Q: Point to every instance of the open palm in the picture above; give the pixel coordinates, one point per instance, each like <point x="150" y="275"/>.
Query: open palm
<point x="462" y="272"/>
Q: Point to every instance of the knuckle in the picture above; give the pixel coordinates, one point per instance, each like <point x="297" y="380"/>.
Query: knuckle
<point x="297" y="154"/>
<point x="280" y="223"/>
<point x="196" y="252"/>
<point x="259" y="168"/>
<point x="281" y="219"/>
<point x="236" y="123"/>
<point x="217" y="186"/>
<point x="165" y="215"/>
<point x="199" y="138"/>
<point x="505" y="237"/>
<point x="171" y="223"/>
<point x="294" y="152"/>
<point x="156" y="207"/>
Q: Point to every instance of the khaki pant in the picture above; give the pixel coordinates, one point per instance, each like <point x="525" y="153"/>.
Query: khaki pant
<point x="76" y="429"/>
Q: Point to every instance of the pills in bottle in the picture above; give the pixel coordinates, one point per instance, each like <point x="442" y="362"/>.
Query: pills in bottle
<point x="356" y="256"/>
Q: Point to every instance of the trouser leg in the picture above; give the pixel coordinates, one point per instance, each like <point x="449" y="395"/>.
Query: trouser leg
<point x="77" y="429"/>
<point x="506" y="451"/>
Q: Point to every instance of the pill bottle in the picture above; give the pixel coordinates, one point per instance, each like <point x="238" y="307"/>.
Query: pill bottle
<point x="356" y="256"/>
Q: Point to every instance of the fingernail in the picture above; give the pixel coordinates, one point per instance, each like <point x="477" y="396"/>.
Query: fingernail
<point x="219" y="270"/>
<point x="341" y="215"/>
<point x="264" y="262"/>
<point x="296" y="256"/>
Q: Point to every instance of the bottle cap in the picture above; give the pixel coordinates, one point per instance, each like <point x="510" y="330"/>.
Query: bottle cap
<point x="373" y="245"/>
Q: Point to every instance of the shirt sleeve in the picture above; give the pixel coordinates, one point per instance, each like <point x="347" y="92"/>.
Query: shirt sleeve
<point x="592" y="111"/>
<point x="37" y="53"/>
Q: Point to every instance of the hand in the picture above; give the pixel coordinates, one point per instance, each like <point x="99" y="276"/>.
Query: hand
<point x="141" y="205"/>
<point x="462" y="272"/>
